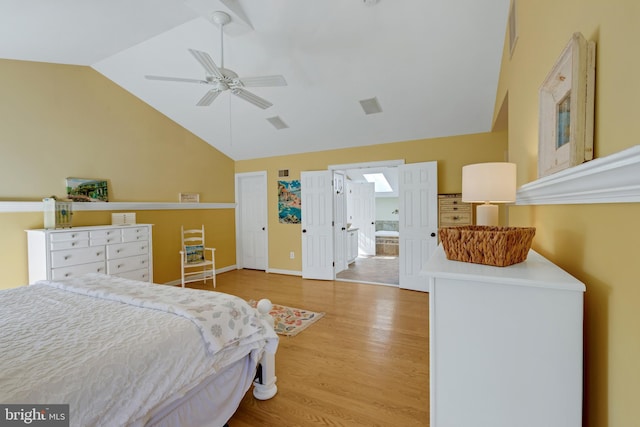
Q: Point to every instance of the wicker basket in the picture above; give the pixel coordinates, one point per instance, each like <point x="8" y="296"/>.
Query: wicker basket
<point x="498" y="246"/>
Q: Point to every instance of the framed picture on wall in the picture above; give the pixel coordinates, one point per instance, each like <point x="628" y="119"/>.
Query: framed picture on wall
<point x="565" y="135"/>
<point x="87" y="190"/>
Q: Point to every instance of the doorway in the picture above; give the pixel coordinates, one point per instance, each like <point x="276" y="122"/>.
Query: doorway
<point x="251" y="219"/>
<point x="372" y="211"/>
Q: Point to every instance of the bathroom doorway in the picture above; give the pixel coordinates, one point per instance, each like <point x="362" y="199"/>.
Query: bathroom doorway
<point x="377" y="226"/>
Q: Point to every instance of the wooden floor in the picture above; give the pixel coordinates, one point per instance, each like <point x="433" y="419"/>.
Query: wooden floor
<point x="366" y="363"/>
<point x="373" y="269"/>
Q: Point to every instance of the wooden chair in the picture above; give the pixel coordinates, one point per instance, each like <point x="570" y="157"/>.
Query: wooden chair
<point x="196" y="266"/>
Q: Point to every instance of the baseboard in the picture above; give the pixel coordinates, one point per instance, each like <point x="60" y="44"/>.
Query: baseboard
<point x="178" y="282"/>
<point x="286" y="272"/>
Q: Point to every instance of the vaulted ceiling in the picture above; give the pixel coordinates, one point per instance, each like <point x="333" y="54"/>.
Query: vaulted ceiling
<point x="432" y="65"/>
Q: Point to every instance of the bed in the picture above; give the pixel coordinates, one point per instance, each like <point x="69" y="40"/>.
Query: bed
<point x="128" y="353"/>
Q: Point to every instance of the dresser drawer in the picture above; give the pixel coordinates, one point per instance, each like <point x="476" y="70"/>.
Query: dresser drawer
<point x="135" y="234"/>
<point x="454" y="218"/>
<point x="142" y="275"/>
<point x="123" y="250"/>
<point x="69" y="244"/>
<point x="69" y="235"/>
<point x="117" y="266"/>
<point x="77" y="270"/>
<point x="68" y="257"/>
<point x="105" y="237"/>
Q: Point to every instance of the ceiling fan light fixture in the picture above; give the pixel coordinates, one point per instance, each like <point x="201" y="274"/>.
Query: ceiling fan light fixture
<point x="371" y="106"/>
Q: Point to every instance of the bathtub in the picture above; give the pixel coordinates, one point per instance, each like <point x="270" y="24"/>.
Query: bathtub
<point x="387" y="242"/>
<point x="387" y="233"/>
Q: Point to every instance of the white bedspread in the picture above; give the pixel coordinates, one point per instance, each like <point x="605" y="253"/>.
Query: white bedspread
<point x="91" y="345"/>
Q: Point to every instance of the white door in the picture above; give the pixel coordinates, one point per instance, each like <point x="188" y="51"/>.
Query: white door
<point x="251" y="220"/>
<point x="317" y="229"/>
<point x="340" y="222"/>
<point x="418" y="188"/>
<point x="364" y="217"/>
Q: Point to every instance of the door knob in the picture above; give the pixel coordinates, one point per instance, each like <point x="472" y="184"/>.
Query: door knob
<point x="433" y="234"/>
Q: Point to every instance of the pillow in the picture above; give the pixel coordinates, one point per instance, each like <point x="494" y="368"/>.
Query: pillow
<point x="195" y="253"/>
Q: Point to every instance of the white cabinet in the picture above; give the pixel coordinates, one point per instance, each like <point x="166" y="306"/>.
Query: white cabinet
<point x="352" y="245"/>
<point x="123" y="250"/>
<point x="505" y="344"/>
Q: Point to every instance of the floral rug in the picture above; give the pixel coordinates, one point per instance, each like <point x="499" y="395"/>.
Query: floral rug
<point x="291" y="321"/>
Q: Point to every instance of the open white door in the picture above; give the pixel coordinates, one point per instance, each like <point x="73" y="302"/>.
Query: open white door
<point x="340" y="222"/>
<point x="251" y="220"/>
<point x="418" y="187"/>
<point x="317" y="224"/>
<point x="364" y="216"/>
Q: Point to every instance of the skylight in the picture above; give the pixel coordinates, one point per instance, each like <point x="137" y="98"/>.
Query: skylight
<point x="381" y="183"/>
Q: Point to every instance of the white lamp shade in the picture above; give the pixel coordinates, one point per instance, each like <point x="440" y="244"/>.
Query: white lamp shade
<point x="489" y="182"/>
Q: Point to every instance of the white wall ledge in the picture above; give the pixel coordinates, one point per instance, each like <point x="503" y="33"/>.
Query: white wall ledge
<point x="115" y="206"/>
<point x="611" y="179"/>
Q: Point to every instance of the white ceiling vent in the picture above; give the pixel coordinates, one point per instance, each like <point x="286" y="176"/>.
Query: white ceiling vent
<point x="371" y="106"/>
<point x="277" y="122"/>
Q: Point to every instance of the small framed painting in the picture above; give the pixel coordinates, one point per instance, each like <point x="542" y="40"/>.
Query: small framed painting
<point x="289" y="202"/>
<point x="189" y="197"/>
<point x="87" y="190"/>
<point x="565" y="134"/>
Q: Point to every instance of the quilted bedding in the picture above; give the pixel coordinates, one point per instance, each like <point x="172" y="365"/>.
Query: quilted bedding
<point x="116" y="350"/>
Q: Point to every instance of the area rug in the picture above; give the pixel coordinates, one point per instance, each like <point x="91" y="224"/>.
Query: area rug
<point x="289" y="321"/>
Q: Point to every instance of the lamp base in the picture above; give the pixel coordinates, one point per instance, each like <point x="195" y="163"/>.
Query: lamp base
<point x="487" y="214"/>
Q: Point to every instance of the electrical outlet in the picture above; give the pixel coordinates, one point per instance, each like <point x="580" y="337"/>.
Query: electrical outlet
<point x="292" y="255"/>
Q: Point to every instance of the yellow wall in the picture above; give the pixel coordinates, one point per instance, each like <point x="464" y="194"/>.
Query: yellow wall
<point x="60" y="121"/>
<point x="451" y="153"/>
<point x="597" y="243"/>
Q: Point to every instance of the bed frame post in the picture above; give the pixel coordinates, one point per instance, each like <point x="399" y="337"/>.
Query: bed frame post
<point x="265" y="385"/>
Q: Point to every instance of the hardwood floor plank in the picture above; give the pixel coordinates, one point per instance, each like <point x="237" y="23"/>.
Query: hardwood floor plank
<point x="365" y="363"/>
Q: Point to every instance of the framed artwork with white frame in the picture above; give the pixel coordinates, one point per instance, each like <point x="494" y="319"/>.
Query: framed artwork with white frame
<point x="565" y="137"/>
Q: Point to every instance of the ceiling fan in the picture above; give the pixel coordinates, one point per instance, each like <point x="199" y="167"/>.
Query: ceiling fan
<point x="223" y="79"/>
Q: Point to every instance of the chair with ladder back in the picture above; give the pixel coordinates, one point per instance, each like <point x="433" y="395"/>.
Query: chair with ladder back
<point x="196" y="266"/>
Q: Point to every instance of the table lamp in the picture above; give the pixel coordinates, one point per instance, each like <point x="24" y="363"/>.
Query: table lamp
<point x="488" y="183"/>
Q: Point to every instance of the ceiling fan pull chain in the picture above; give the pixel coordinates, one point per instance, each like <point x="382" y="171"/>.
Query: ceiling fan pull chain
<point x="221" y="46"/>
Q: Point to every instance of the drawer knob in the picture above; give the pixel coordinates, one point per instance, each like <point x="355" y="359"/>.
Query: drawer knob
<point x="120" y="265"/>
<point x="67" y="257"/>
<point x="67" y="274"/>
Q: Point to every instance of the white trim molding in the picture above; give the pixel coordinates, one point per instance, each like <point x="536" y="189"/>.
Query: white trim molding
<point x="611" y="179"/>
<point x="114" y="206"/>
<point x="285" y="272"/>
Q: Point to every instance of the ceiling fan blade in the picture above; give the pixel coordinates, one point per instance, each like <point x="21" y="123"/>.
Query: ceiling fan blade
<point x="205" y="60"/>
<point x="263" y="81"/>
<point x="175" y="79"/>
<point x="208" y="98"/>
<point x="250" y="97"/>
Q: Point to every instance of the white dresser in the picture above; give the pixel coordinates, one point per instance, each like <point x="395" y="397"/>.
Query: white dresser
<point x="118" y="250"/>
<point x="505" y="344"/>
